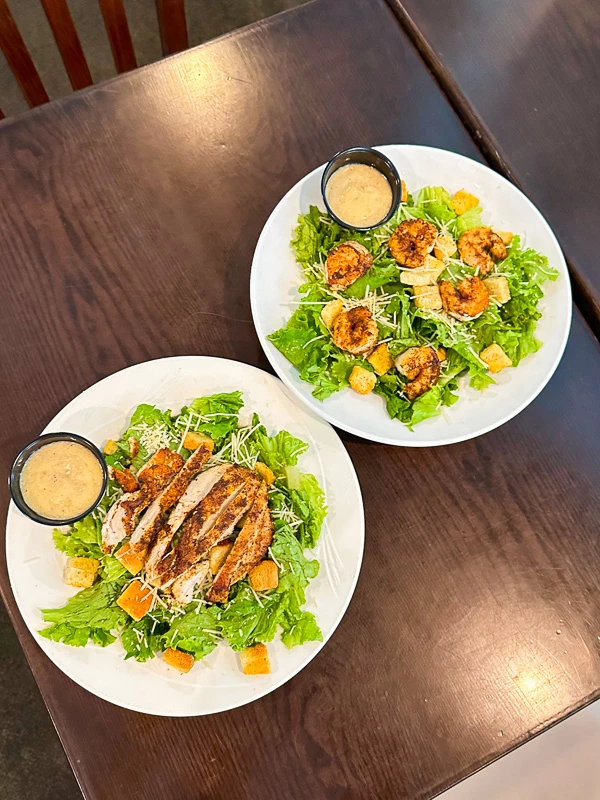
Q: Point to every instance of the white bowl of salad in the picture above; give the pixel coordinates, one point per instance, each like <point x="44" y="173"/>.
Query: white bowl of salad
<point x="434" y="328"/>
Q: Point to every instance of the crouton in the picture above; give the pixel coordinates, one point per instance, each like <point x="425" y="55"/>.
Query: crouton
<point x="380" y="359"/>
<point x="110" y="448"/>
<point x="426" y="275"/>
<point x="131" y="562"/>
<point x="255" y="660"/>
<point x="81" y="572"/>
<point x="136" y="600"/>
<point x="403" y="192"/>
<point x="192" y="441"/>
<point x="330" y="312"/>
<point x="441" y="354"/>
<point x="178" y="659"/>
<point x="427" y="297"/>
<point x="495" y="357"/>
<point x="266" y="473"/>
<point x="506" y="236"/>
<point x="264" y="576"/>
<point x="463" y="201"/>
<point x="217" y="556"/>
<point x="444" y="247"/>
<point x="498" y="288"/>
<point x="362" y="381"/>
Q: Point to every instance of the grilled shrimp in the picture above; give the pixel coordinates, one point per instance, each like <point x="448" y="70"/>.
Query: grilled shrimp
<point x="477" y="246"/>
<point x="465" y="301"/>
<point x="355" y="330"/>
<point x="421" y="365"/>
<point x="412" y="241"/>
<point x="346" y="263"/>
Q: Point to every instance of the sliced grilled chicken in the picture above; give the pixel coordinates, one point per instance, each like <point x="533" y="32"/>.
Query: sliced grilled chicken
<point x="183" y="587"/>
<point x="157" y="564"/>
<point x="153" y="477"/>
<point x="147" y="528"/>
<point x="249" y="549"/>
<point x="196" y="491"/>
<point x="202" y="520"/>
<point x="192" y="549"/>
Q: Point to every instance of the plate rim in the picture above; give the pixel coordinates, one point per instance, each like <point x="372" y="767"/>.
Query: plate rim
<point x="48" y="646"/>
<point x="270" y="350"/>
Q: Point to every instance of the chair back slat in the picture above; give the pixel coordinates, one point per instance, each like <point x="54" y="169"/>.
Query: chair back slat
<point x="67" y="41"/>
<point x="172" y="26"/>
<point x="18" y="59"/>
<point x="119" y="37"/>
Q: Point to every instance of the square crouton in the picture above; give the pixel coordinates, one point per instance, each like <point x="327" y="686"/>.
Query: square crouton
<point x="498" y="288"/>
<point x="463" y="201"/>
<point x="403" y="192"/>
<point x="217" y="556"/>
<point x="131" y="562"/>
<point x="192" y="441"/>
<point x="264" y="576"/>
<point x="255" y="660"/>
<point x="426" y="275"/>
<point x="362" y="381"/>
<point x="266" y="473"/>
<point x="380" y="359"/>
<point x="110" y="448"/>
<point x="331" y="311"/>
<point x="81" y="572"/>
<point x="444" y="247"/>
<point x="495" y="357"/>
<point x="136" y="600"/>
<point x="427" y="297"/>
<point x="179" y="660"/>
<point x="506" y="236"/>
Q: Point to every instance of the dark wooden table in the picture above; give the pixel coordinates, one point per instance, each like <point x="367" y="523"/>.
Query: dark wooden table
<point x="475" y="622"/>
<point x="523" y="76"/>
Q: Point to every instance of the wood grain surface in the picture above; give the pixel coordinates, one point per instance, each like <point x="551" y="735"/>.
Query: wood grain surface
<point x="522" y="76"/>
<point x="134" y="210"/>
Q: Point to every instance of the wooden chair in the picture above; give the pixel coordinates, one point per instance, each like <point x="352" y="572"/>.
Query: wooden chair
<point x="171" y="23"/>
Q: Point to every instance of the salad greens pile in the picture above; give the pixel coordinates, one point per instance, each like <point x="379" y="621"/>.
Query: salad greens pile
<point x="298" y="509"/>
<point x="306" y="341"/>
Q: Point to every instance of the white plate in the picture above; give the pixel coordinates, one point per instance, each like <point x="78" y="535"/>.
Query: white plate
<point x="215" y="684"/>
<point x="275" y="277"/>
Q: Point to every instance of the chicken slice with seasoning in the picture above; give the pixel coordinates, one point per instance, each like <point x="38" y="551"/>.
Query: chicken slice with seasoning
<point x="249" y="549"/>
<point x="202" y="520"/>
<point x="188" y="553"/>
<point x="147" y="528"/>
<point x="121" y="519"/>
<point x="158" y="561"/>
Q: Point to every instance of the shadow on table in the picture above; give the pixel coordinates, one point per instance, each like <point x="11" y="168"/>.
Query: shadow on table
<point x="33" y="765"/>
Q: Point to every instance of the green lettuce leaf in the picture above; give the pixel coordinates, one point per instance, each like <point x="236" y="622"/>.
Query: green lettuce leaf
<point x="90" y="614"/>
<point x="82" y="540"/>
<point x="215" y="415"/>
<point x="196" y="631"/>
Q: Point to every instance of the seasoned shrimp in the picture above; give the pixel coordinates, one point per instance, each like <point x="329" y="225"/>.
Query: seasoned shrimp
<point x="465" y="301"/>
<point x="477" y="246"/>
<point x="346" y="263"/>
<point x="421" y="365"/>
<point x="355" y="330"/>
<point x="412" y="241"/>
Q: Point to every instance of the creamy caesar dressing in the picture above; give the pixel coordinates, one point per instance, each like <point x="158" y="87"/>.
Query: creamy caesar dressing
<point x="61" y="480"/>
<point x="359" y="195"/>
